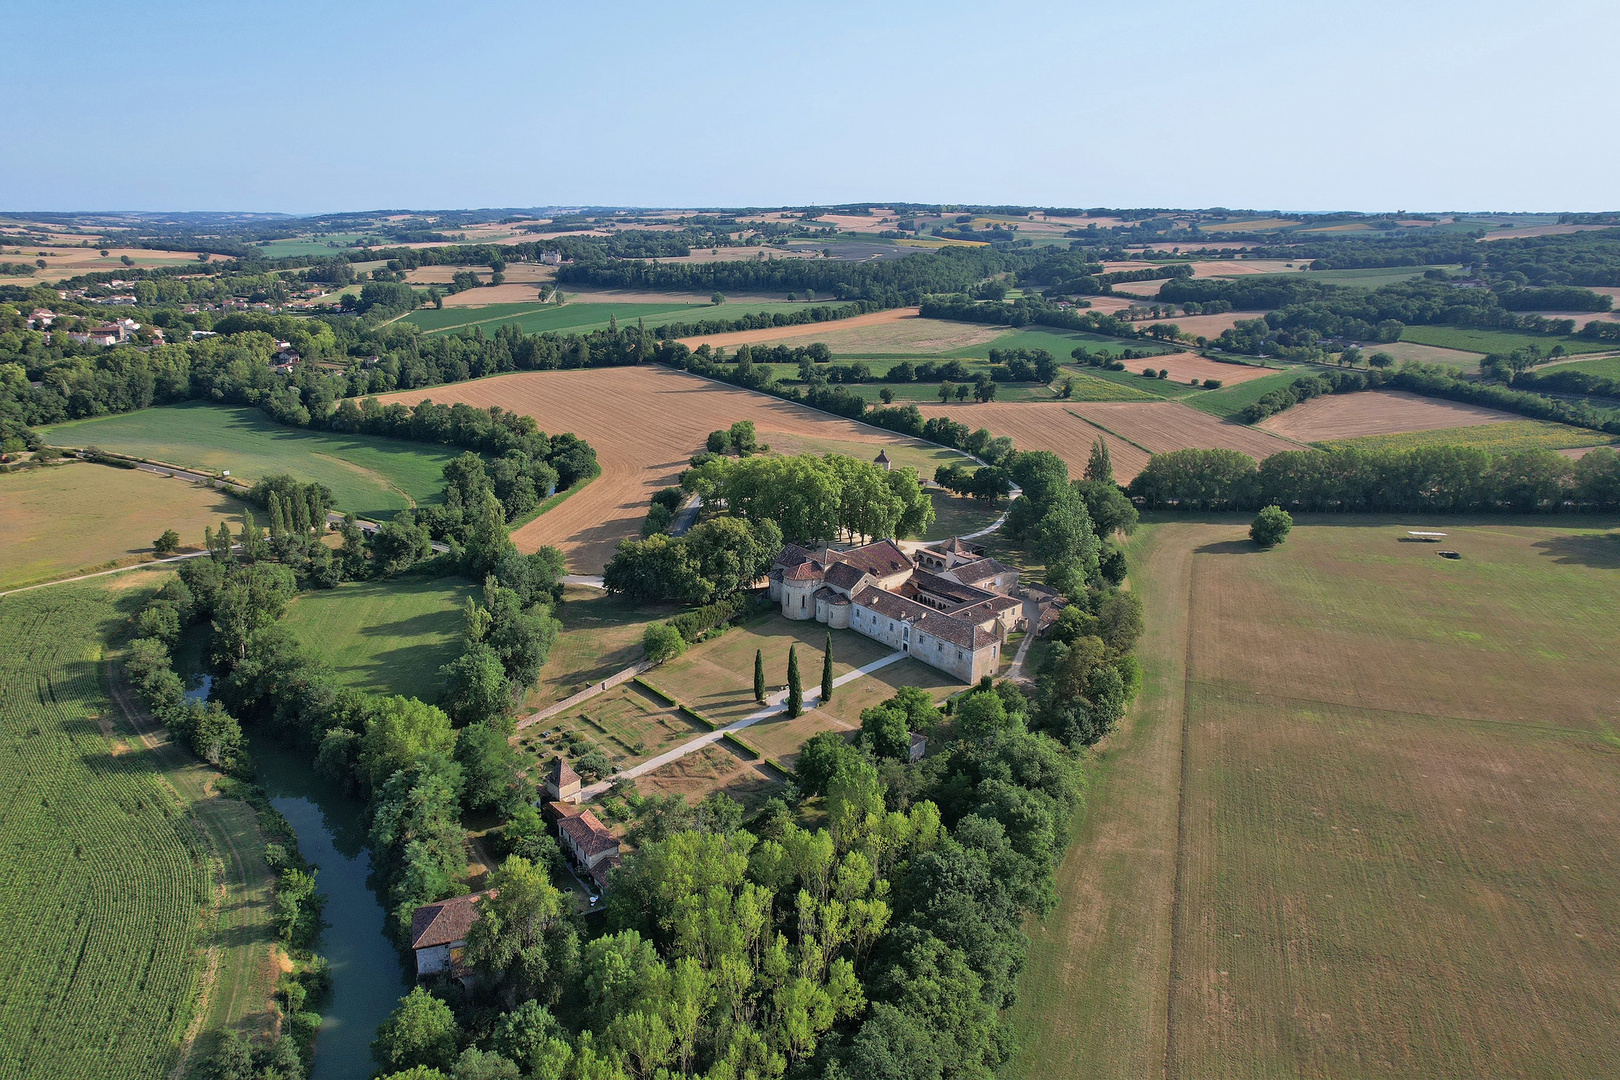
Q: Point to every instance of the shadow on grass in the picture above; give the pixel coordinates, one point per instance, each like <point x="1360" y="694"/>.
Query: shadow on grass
<point x="1229" y="547"/>
<point x="1602" y="552"/>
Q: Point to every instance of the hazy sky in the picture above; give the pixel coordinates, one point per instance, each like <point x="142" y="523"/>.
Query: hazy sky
<point x="1269" y="104"/>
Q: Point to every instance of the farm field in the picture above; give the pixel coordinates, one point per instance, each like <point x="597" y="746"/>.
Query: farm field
<point x="535" y="318"/>
<point x="388" y="636"/>
<point x="107" y="882"/>
<point x="1607" y="367"/>
<point x="1376" y="412"/>
<point x="370" y="476"/>
<point x="896" y="331"/>
<point x="1428" y="354"/>
<point x="1506" y="436"/>
<point x="1396" y="777"/>
<point x="78" y="518"/>
<point x="1231" y="399"/>
<point x="645" y="424"/>
<point x="1185" y="366"/>
<point x="1495" y="341"/>
<point x="1133" y="431"/>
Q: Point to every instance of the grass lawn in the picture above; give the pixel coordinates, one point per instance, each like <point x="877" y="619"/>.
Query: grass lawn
<point x="1495" y="341"/>
<point x="370" y="476"/>
<point x="1060" y="343"/>
<point x="1357" y="823"/>
<point x="1503" y="437"/>
<point x="955" y="515"/>
<point x="717" y="677"/>
<point x="1370" y="277"/>
<point x="1607" y="367"/>
<point x="390" y="636"/>
<point x="79" y="517"/>
<point x="1100" y="384"/>
<point x="1228" y="401"/>
<point x="601" y="635"/>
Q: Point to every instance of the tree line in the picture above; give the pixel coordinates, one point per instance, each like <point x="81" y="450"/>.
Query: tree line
<point x="1430" y="479"/>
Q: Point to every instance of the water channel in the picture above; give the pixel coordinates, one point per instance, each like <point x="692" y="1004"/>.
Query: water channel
<point x="368" y="978"/>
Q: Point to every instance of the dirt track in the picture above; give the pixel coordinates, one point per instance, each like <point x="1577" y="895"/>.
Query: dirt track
<point x="645" y="424"/>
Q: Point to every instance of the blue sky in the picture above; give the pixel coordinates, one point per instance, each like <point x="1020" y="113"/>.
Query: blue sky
<point x="1269" y="104"/>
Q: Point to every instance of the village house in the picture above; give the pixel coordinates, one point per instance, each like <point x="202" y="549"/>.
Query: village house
<point x="439" y="934"/>
<point x="955" y="616"/>
<point x="593" y="850"/>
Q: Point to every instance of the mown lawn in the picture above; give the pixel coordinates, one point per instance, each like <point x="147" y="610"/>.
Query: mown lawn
<point x="390" y="636"/>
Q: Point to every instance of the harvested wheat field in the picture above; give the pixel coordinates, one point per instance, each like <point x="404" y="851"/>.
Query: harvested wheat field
<point x="1211" y="326"/>
<point x="1185" y="366"/>
<point x="1376" y="412"/>
<point x="645" y="423"/>
<point x="1132" y="430"/>
<point x="1359" y="822"/>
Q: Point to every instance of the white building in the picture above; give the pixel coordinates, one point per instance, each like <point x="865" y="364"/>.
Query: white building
<point x="955" y="617"/>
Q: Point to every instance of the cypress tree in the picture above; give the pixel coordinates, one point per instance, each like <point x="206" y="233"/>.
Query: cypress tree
<point x="826" y="672"/>
<point x="759" y="676"/>
<point x="300" y="515"/>
<point x="795" y="698"/>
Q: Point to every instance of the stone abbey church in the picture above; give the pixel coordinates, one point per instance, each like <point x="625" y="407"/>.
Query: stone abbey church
<point x="948" y="605"/>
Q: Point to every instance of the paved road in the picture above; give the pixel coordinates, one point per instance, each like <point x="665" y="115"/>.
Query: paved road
<point x="774" y="705"/>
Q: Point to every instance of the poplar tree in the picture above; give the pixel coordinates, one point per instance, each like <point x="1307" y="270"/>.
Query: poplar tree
<point x="826" y="672"/>
<point x="759" y="676"/>
<point x="795" y="698"/>
<point x="1101" y="465"/>
<point x="317" y="511"/>
<point x="278" y="522"/>
<point x="300" y="515"/>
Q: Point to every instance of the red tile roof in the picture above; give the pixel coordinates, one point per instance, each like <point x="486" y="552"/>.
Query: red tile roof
<point x="588" y="835"/>
<point x="880" y="559"/>
<point x="445" y="922"/>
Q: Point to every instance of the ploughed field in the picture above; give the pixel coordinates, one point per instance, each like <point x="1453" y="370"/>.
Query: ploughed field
<point x="1360" y="822"/>
<point x="1376" y="412"/>
<point x="645" y="424"/>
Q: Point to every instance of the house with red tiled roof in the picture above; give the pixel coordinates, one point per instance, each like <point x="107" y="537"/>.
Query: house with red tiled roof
<point x="589" y="845"/>
<point x="439" y="933"/>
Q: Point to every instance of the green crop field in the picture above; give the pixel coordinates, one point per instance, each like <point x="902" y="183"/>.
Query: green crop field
<point x="1371" y="277"/>
<point x="1509" y="435"/>
<point x="1100" y="384"/>
<point x="1230" y="400"/>
<point x="1495" y="341"/>
<point x="1060" y="343"/>
<point x="1358" y="824"/>
<point x="1607" y="367"/>
<point x="539" y="318"/>
<point x="106" y="878"/>
<point x="370" y="476"/>
<point x="390" y="636"/>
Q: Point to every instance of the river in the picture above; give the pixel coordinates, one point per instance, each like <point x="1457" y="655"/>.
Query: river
<point x="368" y="978"/>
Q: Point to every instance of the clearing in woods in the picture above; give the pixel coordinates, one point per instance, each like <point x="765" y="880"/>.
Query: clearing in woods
<point x="1396" y="777"/>
<point x="124" y="869"/>
<point x="63" y="520"/>
<point x="370" y="476"/>
<point x="645" y="424"/>
<point x="390" y="636"/>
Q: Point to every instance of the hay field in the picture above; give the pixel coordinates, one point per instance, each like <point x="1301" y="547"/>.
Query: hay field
<point x="66" y="262"/>
<point x="1132" y="430"/>
<point x="1395" y="781"/>
<point x="1503" y="437"/>
<point x="1190" y="365"/>
<point x="897" y="330"/>
<point x="77" y="518"/>
<point x="1428" y="354"/>
<point x="1211" y="326"/>
<point x="645" y="424"/>
<point x="1376" y="412"/>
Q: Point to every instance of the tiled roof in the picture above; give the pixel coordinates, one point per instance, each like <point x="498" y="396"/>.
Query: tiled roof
<point x="882" y="458"/>
<point x="560" y="774"/>
<point x="934" y="623"/>
<point x="980" y="570"/>
<point x="948" y="588"/>
<point x="445" y="922"/>
<point x="809" y="570"/>
<point x="831" y="597"/>
<point x="986" y="609"/>
<point x="879" y="559"/>
<point x="844" y="575"/>
<point x="588" y="835"/>
<point x="793" y="555"/>
<point x="957" y="546"/>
